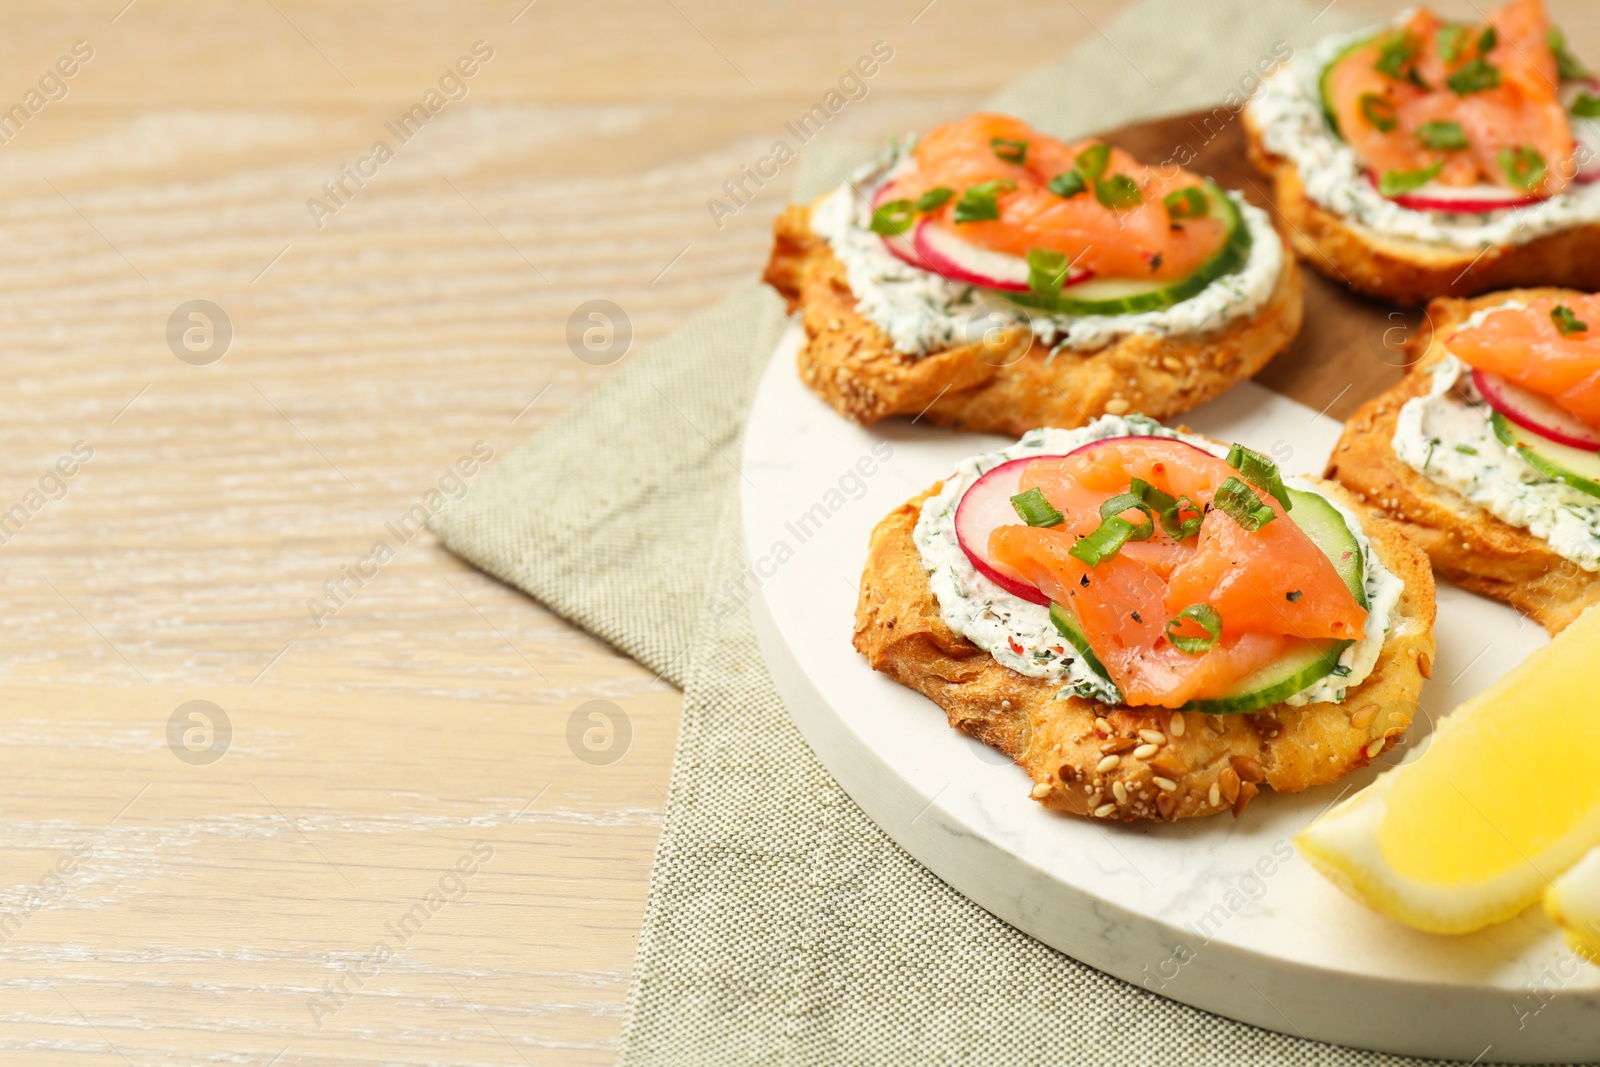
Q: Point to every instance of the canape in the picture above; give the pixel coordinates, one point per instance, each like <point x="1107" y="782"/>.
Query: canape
<point x="1152" y="624"/>
<point x="1429" y="158"/>
<point x="1489" y="448"/>
<point x="993" y="278"/>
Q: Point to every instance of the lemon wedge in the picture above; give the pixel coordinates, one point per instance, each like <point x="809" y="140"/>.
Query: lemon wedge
<point x="1506" y="797"/>
<point x="1573" y="902"/>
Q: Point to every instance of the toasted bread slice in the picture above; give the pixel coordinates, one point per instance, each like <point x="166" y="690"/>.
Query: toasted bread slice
<point x="1468" y="545"/>
<point x="1212" y="762"/>
<point x="1408" y="271"/>
<point x="1008" y="384"/>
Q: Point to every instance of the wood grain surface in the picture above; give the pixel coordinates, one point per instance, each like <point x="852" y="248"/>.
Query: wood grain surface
<point x="393" y="832"/>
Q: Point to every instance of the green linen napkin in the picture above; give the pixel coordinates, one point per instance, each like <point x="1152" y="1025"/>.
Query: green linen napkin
<point x="783" y="927"/>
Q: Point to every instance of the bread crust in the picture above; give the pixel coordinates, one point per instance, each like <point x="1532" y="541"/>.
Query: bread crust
<point x="1214" y="763"/>
<point x="1408" y="271"/>
<point x="1466" y="544"/>
<point x="1007" y="384"/>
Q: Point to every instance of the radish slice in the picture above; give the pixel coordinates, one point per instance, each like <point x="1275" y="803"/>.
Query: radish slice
<point x="985" y="506"/>
<point x="946" y="254"/>
<point x="900" y="245"/>
<point x="1468" y="200"/>
<point x="1534" y="412"/>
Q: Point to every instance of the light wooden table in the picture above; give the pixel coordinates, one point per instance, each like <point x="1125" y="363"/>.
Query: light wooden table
<point x="384" y="848"/>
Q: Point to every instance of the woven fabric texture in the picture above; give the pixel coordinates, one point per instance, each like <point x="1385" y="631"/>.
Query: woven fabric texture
<point x="782" y="926"/>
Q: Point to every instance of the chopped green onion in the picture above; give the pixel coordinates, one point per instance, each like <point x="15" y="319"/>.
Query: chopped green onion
<point x="1239" y="502"/>
<point x="980" y="203"/>
<point x="1259" y="471"/>
<point x="1487" y="40"/>
<point x="1395" y="182"/>
<point x="1586" y="106"/>
<point x="1450" y="39"/>
<point x="1036" y="510"/>
<point x="1106" y="541"/>
<point x="935" y="198"/>
<point x="1093" y="161"/>
<point x="1118" y="191"/>
<point x="1187" y="203"/>
<point x="1567" y="68"/>
<point x="1524" y="167"/>
<point x="1009" y="151"/>
<point x="1068" y="183"/>
<point x="1566" y="321"/>
<point x="1114" y="507"/>
<point x="1047" y="270"/>
<point x="1442" y="134"/>
<point x="1379" y="111"/>
<point x="893" y="217"/>
<point x="1475" y="77"/>
<point x="1396" y="55"/>
<point x="1169" y="510"/>
<point x="1203" y="615"/>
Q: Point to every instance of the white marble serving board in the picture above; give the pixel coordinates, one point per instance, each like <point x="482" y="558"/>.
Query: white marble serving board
<point x="1220" y="913"/>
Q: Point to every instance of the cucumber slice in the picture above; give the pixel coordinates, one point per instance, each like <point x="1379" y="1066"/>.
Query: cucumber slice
<point x="1067" y="626"/>
<point x="1306" y="662"/>
<point x="1324" y="91"/>
<point x="1327" y="529"/>
<point x="1122" y="296"/>
<point x="1560" y="463"/>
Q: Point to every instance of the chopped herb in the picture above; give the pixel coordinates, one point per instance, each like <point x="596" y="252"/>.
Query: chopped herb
<point x="1450" y="39"/>
<point x="935" y="198"/>
<point x="1118" y="191"/>
<point x="1036" y="510"/>
<point x="1524" y="167"/>
<point x="1566" y="321"/>
<point x="1568" y="68"/>
<point x="1476" y="77"/>
<point x="1466" y="450"/>
<point x="1092" y="161"/>
<point x="1259" y="471"/>
<point x="1203" y="615"/>
<point x="1380" y="111"/>
<point x="980" y="203"/>
<point x="1487" y="40"/>
<point x="1128" y="502"/>
<point x="1586" y="106"/>
<point x="1240" y="503"/>
<point x="1442" y="134"/>
<point x="1068" y="183"/>
<point x="1009" y="151"/>
<point x="1396" y="55"/>
<point x="1187" y="203"/>
<point x="1047" y="270"/>
<point x="1106" y="541"/>
<point x="1395" y="182"/>
<point x="1342" y="671"/>
<point x="893" y="217"/>
<point x="1427" y="459"/>
<point x="1293" y="596"/>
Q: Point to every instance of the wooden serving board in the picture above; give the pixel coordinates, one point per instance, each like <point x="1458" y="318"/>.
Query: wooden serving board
<point x="1350" y="348"/>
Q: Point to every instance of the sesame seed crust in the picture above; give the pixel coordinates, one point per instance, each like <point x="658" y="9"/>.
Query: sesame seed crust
<point x="1466" y="544"/>
<point x="1007" y="383"/>
<point x="1084" y="757"/>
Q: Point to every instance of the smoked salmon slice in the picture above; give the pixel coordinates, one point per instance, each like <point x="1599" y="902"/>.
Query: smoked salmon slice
<point x="1459" y="104"/>
<point x="1267" y="586"/>
<point x="1543" y="349"/>
<point x="1135" y="236"/>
